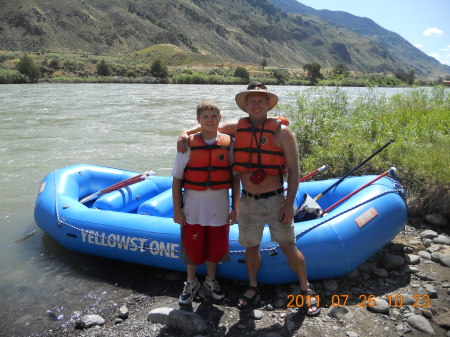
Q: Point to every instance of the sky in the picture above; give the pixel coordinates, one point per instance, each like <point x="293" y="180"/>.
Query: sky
<point x="423" y="23"/>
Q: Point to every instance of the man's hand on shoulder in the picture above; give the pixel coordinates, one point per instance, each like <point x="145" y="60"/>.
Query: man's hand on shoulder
<point x="182" y="142"/>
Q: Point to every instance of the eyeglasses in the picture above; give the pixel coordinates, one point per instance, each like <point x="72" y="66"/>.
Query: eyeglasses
<point x="256" y="86"/>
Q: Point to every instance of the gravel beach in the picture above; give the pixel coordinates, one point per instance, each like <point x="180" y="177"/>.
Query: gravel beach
<point x="404" y="290"/>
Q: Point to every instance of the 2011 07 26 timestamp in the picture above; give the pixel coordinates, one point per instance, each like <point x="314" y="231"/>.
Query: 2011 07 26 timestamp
<point x="364" y="301"/>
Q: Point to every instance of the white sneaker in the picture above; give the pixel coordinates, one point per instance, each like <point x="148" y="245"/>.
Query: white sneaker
<point x="189" y="292"/>
<point x="213" y="287"/>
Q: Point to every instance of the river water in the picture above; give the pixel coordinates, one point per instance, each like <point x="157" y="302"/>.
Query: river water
<point x="48" y="126"/>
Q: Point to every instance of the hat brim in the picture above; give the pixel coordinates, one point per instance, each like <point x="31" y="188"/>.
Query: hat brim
<point x="240" y="98"/>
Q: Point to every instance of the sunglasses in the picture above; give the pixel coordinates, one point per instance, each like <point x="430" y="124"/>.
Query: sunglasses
<point x="258" y="86"/>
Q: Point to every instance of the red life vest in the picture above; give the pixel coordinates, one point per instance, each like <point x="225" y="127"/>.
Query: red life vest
<point x="255" y="148"/>
<point x="208" y="165"/>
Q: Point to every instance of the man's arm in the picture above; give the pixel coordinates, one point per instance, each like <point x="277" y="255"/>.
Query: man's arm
<point x="290" y="149"/>
<point x="178" y="214"/>
<point x="227" y="128"/>
<point x="236" y="193"/>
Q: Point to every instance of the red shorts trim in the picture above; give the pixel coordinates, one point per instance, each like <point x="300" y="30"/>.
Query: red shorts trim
<point x="205" y="243"/>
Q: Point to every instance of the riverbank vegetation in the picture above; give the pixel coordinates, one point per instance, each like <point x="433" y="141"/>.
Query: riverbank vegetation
<point x="159" y="64"/>
<point x="332" y="129"/>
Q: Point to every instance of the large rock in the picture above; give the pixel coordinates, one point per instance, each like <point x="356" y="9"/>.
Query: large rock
<point x="420" y="323"/>
<point x="391" y="261"/>
<point x="443" y="320"/>
<point x="88" y="321"/>
<point x="339" y="313"/>
<point x="189" y="322"/>
<point x="442" y="240"/>
<point x="445" y="260"/>
<point x="436" y="219"/>
<point x="428" y="234"/>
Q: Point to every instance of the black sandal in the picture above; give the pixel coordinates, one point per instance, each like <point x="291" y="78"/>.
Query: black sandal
<point x="310" y="302"/>
<point x="245" y="302"/>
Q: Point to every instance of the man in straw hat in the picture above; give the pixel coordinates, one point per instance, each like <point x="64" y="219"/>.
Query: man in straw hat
<point x="265" y="151"/>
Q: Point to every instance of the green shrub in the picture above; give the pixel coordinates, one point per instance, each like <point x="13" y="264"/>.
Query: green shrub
<point x="8" y="76"/>
<point x="242" y="73"/>
<point x="27" y="67"/>
<point x="103" y="69"/>
<point x="331" y="129"/>
<point x="131" y="73"/>
<point x="159" y="70"/>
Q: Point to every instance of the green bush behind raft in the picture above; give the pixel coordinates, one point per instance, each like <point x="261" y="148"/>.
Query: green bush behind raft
<point x="334" y="130"/>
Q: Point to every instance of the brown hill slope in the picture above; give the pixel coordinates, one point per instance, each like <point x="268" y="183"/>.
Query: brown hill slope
<point x="236" y="30"/>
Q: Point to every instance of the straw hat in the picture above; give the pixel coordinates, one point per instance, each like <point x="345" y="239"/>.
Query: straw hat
<point x="252" y="88"/>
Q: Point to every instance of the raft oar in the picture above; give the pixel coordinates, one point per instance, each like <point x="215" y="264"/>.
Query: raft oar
<point x="354" y="169"/>
<point x="390" y="171"/>
<point x="117" y="186"/>
<point x="310" y="174"/>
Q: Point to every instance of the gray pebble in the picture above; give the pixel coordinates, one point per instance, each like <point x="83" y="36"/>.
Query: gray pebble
<point x="381" y="306"/>
<point x="424" y="254"/>
<point x="412" y="259"/>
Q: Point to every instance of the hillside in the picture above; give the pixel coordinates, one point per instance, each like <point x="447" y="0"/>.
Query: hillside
<point x="398" y="47"/>
<point x="214" y="31"/>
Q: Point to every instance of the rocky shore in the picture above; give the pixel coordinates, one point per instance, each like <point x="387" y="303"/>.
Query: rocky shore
<point x="402" y="291"/>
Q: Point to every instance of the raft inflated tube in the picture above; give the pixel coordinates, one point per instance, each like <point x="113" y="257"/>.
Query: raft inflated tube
<point x="159" y="205"/>
<point x="128" y="199"/>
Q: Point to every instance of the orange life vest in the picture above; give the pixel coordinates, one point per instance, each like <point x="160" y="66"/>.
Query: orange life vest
<point x="208" y="165"/>
<point x="255" y="148"/>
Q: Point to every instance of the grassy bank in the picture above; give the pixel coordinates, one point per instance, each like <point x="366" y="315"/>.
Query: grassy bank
<point x="333" y="130"/>
<point x="181" y="68"/>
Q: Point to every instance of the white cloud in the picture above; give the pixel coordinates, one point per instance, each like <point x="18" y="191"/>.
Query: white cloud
<point x="418" y="45"/>
<point x="433" y="31"/>
<point x="444" y="59"/>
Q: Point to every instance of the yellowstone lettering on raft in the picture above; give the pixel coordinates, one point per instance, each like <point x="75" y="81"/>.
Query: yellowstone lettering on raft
<point x="130" y="243"/>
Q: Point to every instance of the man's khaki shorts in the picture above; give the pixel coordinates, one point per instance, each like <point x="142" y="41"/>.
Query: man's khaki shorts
<point x="254" y="214"/>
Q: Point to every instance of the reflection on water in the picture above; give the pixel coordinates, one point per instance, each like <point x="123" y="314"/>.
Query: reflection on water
<point x="47" y="126"/>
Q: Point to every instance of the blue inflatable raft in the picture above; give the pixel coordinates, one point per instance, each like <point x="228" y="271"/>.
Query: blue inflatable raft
<point x="135" y="224"/>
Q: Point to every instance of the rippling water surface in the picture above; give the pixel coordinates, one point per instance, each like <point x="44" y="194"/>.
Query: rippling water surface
<point x="48" y="126"/>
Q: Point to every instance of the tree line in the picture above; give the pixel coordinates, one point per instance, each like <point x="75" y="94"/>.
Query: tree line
<point x="29" y="71"/>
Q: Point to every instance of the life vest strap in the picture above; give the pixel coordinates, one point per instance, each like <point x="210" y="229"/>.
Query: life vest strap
<point x="210" y="147"/>
<point x="251" y="129"/>
<point x="207" y="183"/>
<point x="207" y="168"/>
<point x="255" y="165"/>
<point x="255" y="150"/>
